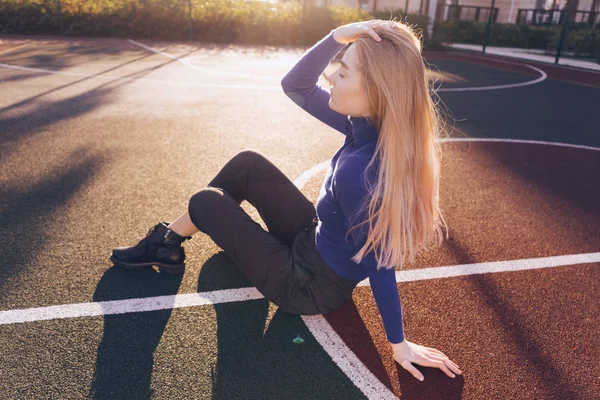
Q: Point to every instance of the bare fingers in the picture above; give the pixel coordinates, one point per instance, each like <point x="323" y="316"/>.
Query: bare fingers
<point x="372" y="33"/>
<point x="411" y="368"/>
<point x="453" y="366"/>
<point x="439" y="356"/>
<point x="444" y="368"/>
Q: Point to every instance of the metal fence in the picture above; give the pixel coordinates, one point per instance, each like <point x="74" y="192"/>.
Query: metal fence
<point x="471" y="13"/>
<point x="538" y="34"/>
<point x="555" y="17"/>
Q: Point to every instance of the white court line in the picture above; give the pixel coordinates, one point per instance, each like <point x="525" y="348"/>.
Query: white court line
<point x="225" y="86"/>
<point x="75" y="310"/>
<point x="497" y="87"/>
<point x="128" y="306"/>
<point x="576" y="146"/>
<point x="310" y="173"/>
<point x="345" y="359"/>
<point x="343" y="356"/>
<point x="423" y="274"/>
<point x="185" y="61"/>
<point x="325" y="335"/>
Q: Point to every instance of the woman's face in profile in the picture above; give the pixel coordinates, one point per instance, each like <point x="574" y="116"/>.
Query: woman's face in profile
<point x="346" y="94"/>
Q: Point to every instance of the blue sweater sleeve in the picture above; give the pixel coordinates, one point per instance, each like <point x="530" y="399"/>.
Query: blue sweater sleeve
<point x="300" y="84"/>
<point x="383" y="282"/>
<point x="385" y="292"/>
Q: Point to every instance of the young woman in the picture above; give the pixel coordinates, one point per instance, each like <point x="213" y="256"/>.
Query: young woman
<point x="378" y="202"/>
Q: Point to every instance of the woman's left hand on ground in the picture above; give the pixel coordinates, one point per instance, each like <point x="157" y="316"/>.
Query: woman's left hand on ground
<point x="407" y="352"/>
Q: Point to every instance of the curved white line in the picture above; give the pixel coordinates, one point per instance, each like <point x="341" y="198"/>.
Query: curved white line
<point x="185" y="61"/>
<point x="332" y="343"/>
<point x="222" y="86"/>
<point x="512" y="85"/>
<point x="308" y="174"/>
<point x="341" y="354"/>
<point x="345" y="358"/>
<point x="225" y="86"/>
<point x="577" y="146"/>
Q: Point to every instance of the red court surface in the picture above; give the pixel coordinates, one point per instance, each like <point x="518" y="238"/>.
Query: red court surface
<point x="100" y="138"/>
<point x="522" y="329"/>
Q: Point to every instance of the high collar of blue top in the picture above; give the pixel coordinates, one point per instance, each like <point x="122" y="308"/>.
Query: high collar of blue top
<point x="363" y="130"/>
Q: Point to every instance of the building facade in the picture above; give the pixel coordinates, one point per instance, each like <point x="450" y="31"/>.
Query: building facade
<point x="507" y="9"/>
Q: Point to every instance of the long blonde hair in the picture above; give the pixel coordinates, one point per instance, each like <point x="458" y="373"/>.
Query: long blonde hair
<point x="403" y="206"/>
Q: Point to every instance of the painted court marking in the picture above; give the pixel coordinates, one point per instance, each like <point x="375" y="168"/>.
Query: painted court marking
<point x="343" y="356"/>
<point x="233" y="295"/>
<point x="186" y="62"/>
<point x="576" y="146"/>
<point x="541" y="78"/>
<point x="251" y="293"/>
<point x="346" y="359"/>
<point x="322" y="331"/>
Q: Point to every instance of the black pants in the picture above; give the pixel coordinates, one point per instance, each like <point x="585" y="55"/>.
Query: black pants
<point x="283" y="263"/>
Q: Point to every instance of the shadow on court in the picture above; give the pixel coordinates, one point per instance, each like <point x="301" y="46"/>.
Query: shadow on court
<point x="257" y="358"/>
<point x="126" y="354"/>
<point x="27" y="214"/>
<point x="32" y="122"/>
<point x="515" y="327"/>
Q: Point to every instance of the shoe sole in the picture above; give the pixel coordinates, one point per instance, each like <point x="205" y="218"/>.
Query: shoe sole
<point x="174" y="269"/>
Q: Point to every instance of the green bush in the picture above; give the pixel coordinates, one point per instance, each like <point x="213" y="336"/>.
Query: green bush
<point x="242" y="21"/>
<point x="581" y="41"/>
<point x="459" y="31"/>
<point x="255" y="22"/>
<point x="584" y="42"/>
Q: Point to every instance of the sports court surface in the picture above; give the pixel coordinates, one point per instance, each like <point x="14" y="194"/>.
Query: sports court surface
<point x="100" y="139"/>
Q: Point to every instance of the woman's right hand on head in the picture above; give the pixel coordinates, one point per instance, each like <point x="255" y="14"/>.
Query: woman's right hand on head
<point x="350" y="32"/>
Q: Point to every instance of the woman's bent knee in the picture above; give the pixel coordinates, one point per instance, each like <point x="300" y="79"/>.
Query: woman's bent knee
<point x="203" y="204"/>
<point x="249" y="156"/>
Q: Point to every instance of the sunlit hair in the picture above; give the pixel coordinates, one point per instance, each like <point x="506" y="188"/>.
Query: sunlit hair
<point x="403" y="206"/>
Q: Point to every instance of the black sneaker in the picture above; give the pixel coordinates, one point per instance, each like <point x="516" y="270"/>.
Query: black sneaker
<point x="161" y="247"/>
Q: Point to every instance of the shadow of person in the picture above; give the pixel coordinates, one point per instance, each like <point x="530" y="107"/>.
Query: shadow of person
<point x="437" y="385"/>
<point x="257" y="357"/>
<point x="349" y="324"/>
<point x="126" y="354"/>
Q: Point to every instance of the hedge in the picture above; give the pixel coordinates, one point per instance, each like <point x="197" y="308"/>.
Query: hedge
<point x="239" y="21"/>
<point x="581" y="41"/>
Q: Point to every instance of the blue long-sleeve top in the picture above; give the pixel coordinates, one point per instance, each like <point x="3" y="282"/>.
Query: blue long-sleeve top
<point x="344" y="188"/>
